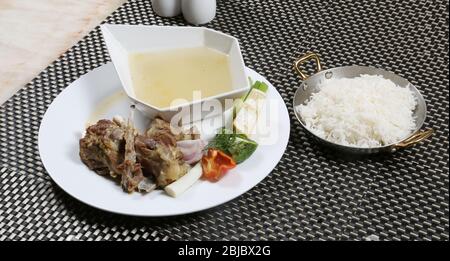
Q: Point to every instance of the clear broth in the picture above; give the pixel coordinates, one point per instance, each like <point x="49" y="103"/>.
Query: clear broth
<point x="168" y="78"/>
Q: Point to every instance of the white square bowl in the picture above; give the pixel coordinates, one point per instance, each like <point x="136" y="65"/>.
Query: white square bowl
<point x="121" y="40"/>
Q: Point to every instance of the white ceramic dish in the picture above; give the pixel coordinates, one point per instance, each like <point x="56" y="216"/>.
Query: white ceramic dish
<point x="121" y="40"/>
<point x="64" y="123"/>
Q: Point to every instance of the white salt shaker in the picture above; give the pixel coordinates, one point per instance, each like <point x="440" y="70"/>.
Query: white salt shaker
<point x="167" y="8"/>
<point x="198" y="11"/>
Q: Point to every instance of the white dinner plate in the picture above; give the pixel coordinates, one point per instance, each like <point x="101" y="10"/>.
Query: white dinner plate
<point x="65" y="121"/>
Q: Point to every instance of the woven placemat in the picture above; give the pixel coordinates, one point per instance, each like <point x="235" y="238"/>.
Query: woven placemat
<point x="311" y="194"/>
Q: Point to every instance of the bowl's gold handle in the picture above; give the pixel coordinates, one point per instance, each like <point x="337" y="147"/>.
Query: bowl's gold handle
<point x="304" y="59"/>
<point x="415" y="138"/>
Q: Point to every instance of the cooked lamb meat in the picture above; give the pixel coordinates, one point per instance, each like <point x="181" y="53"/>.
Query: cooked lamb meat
<point x="158" y="154"/>
<point x="161" y="131"/>
<point x="102" y="147"/>
<point x="131" y="170"/>
<point x="114" y="148"/>
<point x="191" y="134"/>
<point x="163" y="162"/>
<point x="108" y="147"/>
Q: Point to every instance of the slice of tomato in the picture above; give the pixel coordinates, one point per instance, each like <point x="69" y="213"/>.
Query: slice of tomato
<point x="215" y="164"/>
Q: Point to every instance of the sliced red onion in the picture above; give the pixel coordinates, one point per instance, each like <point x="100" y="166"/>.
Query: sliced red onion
<point x="192" y="150"/>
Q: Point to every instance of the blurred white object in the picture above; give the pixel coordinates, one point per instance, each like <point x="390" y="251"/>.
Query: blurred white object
<point x="167" y="8"/>
<point x="372" y="238"/>
<point x="198" y="11"/>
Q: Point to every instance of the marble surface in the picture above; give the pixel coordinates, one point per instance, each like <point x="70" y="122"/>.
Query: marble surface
<point x="33" y="33"/>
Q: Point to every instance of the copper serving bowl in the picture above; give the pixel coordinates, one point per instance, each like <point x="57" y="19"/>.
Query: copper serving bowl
<point x="310" y="84"/>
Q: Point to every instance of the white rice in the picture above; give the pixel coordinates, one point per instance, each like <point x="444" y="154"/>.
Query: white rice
<point x="366" y="111"/>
